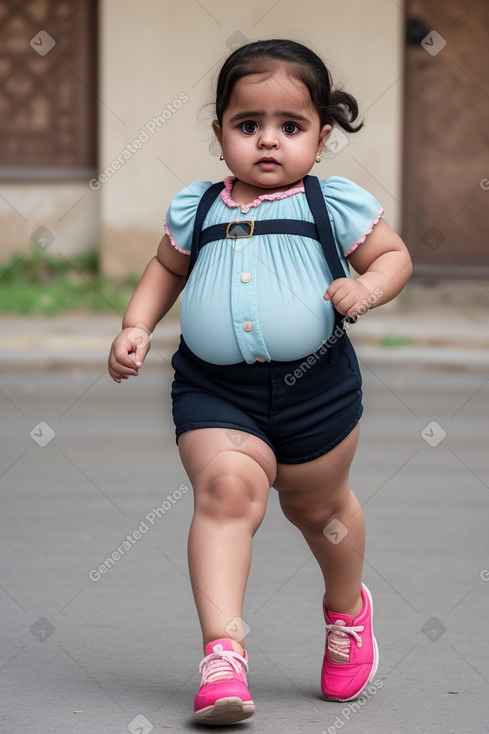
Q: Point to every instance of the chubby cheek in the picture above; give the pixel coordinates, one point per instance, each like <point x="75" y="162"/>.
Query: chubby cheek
<point x="305" y="156"/>
<point x="308" y="149"/>
<point x="237" y="154"/>
<point x="236" y="143"/>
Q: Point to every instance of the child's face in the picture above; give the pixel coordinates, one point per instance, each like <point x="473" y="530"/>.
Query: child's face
<point x="271" y="133"/>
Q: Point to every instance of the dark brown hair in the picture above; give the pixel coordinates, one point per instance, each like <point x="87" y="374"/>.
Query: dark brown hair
<point x="333" y="105"/>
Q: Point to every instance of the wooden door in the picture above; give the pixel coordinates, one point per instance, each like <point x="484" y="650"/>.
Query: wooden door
<point x="446" y="136"/>
<point x="48" y="89"/>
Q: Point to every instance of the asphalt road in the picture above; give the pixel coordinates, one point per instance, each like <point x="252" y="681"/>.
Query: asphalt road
<point x="89" y="470"/>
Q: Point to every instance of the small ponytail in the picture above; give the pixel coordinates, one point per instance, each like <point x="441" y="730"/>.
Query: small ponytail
<point x="343" y="111"/>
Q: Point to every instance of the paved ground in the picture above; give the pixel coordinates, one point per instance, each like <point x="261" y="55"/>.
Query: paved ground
<point x="88" y="466"/>
<point x="86" y="463"/>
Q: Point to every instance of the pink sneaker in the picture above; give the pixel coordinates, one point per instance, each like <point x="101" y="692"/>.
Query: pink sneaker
<point x="351" y="656"/>
<point x="223" y="697"/>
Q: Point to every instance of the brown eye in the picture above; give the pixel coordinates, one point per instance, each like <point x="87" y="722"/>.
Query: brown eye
<point x="249" y="127"/>
<point x="290" y="128"/>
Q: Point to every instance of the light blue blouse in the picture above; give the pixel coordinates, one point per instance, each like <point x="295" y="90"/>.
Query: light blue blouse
<point x="262" y="297"/>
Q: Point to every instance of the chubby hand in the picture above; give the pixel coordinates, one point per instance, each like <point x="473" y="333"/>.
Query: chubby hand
<point x="128" y="352"/>
<point x="349" y="297"/>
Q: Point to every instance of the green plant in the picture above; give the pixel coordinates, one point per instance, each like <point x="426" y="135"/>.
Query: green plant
<point x="37" y="283"/>
<point x="397" y="340"/>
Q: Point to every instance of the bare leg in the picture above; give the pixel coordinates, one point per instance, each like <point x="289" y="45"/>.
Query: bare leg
<point x="317" y="495"/>
<point x="231" y="480"/>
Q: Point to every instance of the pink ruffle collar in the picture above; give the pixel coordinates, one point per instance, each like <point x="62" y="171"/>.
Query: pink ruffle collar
<point x="226" y="195"/>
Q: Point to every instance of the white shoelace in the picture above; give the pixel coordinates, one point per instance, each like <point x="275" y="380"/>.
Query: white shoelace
<point x="222" y="665"/>
<point x="339" y="639"/>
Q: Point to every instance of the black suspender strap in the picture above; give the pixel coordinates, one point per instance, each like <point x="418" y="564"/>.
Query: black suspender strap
<point x="317" y="205"/>
<point x="205" y="204"/>
<point x="247" y="228"/>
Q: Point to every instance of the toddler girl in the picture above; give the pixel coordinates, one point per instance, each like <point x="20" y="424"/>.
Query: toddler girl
<point x="267" y="389"/>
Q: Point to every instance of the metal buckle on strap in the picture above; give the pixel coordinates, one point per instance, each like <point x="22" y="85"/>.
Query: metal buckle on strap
<point x="237" y="230"/>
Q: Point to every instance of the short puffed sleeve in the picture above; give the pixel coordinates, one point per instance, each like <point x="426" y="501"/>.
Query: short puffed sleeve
<point x="352" y="210"/>
<point x="180" y="217"/>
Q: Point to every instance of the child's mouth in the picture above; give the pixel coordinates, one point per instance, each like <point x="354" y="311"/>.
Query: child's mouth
<point x="268" y="164"/>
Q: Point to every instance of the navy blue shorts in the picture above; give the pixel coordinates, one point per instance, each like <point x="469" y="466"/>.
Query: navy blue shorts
<point x="301" y="409"/>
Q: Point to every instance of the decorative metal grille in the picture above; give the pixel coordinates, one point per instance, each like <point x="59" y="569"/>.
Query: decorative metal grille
<point x="47" y="88"/>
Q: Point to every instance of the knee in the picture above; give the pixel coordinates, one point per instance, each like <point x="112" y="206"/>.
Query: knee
<point x="226" y="497"/>
<point x="309" y="517"/>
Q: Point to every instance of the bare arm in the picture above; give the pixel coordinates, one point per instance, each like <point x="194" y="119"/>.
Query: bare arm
<point x="159" y="287"/>
<point x="384" y="266"/>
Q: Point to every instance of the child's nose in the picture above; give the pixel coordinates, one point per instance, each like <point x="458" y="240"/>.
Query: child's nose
<point x="269" y="138"/>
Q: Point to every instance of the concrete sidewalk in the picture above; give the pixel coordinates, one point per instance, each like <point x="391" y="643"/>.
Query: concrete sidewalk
<point x="433" y="322"/>
<point x="83" y="651"/>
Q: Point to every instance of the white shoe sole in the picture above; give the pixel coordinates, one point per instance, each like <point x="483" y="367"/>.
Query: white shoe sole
<point x="225" y="711"/>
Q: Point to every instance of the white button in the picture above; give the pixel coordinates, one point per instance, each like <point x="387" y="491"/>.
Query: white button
<point x="245" y="277"/>
<point x="247" y="326"/>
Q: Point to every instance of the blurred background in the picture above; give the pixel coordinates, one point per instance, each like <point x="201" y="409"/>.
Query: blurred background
<point x="106" y="108"/>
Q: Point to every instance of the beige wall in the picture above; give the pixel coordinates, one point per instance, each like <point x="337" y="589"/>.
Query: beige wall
<point x="68" y="209"/>
<point x="160" y="58"/>
<point x="150" y="58"/>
